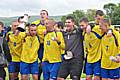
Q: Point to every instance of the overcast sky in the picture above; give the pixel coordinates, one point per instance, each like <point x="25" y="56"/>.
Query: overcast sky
<point x="10" y="8"/>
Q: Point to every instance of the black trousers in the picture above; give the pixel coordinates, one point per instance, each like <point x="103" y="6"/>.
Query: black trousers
<point x="2" y="73"/>
<point x="40" y="72"/>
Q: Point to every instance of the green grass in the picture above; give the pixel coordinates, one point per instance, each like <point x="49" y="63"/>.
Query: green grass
<point x="82" y="76"/>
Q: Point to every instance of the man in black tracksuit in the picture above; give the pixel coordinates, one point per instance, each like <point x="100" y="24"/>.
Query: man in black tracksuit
<point x="74" y="51"/>
<point x="6" y="53"/>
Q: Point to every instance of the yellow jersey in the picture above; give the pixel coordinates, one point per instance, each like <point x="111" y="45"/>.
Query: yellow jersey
<point x="97" y="29"/>
<point x="52" y="50"/>
<point x="30" y="48"/>
<point x="15" y="46"/>
<point x="93" y="47"/>
<point x="110" y="48"/>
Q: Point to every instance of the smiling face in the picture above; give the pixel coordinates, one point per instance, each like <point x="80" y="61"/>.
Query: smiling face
<point x="69" y="24"/>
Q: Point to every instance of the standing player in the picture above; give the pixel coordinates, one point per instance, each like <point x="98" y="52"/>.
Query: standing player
<point x="74" y="50"/>
<point x="110" y="47"/>
<point x="15" y="46"/>
<point x="93" y="48"/>
<point x="40" y="32"/>
<point x="53" y="44"/>
<point x="29" y="56"/>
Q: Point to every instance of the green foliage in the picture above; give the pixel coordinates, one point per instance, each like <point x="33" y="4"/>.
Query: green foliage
<point x="90" y="14"/>
<point x="116" y="15"/>
<point x="76" y="14"/>
<point x="113" y="12"/>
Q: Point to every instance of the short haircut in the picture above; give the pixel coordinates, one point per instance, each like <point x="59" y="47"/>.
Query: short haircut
<point x="70" y="17"/>
<point x="1" y="23"/>
<point x="84" y="19"/>
<point x="45" y="11"/>
<point x="32" y="25"/>
<point x="99" y="12"/>
<point x="60" y="24"/>
<point x="52" y="20"/>
<point x="106" y="21"/>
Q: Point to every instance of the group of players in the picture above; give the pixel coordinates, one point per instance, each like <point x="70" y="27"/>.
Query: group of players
<point x="45" y="47"/>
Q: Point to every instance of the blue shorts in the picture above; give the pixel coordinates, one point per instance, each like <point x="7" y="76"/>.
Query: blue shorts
<point x="40" y="52"/>
<point x="119" y="72"/>
<point x="29" y="68"/>
<point x="110" y="73"/>
<point x="14" y="67"/>
<point x="50" y="70"/>
<point x="93" y="68"/>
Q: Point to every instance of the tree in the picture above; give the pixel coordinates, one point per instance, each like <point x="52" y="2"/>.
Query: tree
<point x="76" y="15"/>
<point x="116" y="15"/>
<point x="63" y="18"/>
<point x="90" y="14"/>
<point x="113" y="12"/>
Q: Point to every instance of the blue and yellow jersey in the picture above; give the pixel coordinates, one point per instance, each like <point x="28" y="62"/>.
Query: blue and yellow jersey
<point x="52" y="50"/>
<point x="93" y="47"/>
<point x="40" y="30"/>
<point x="30" y="48"/>
<point x="110" y="48"/>
<point x="15" y="46"/>
<point x="97" y="29"/>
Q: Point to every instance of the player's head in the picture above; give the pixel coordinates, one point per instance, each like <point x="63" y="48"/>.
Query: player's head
<point x="59" y="26"/>
<point x="83" y="23"/>
<point x="69" y="23"/>
<point x="99" y="16"/>
<point x="49" y="24"/>
<point x="14" y="26"/>
<point x="44" y="14"/>
<point x="104" y="25"/>
<point x="33" y="29"/>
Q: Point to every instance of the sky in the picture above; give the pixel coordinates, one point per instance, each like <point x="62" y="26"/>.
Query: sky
<point x="10" y="8"/>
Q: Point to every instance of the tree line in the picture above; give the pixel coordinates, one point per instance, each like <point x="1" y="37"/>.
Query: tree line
<point x="112" y="11"/>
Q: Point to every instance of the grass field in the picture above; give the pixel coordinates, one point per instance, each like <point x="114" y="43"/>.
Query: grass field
<point x="83" y="76"/>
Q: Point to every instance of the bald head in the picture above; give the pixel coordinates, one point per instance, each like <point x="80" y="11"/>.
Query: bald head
<point x="14" y="25"/>
<point x="49" y="24"/>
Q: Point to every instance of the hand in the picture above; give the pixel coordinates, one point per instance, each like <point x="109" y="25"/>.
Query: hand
<point x="55" y="39"/>
<point x="118" y="59"/>
<point x="88" y="29"/>
<point x="115" y="59"/>
<point x="45" y="32"/>
<point x="16" y="32"/>
<point x="109" y="33"/>
<point x="28" y="33"/>
<point x="4" y="65"/>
